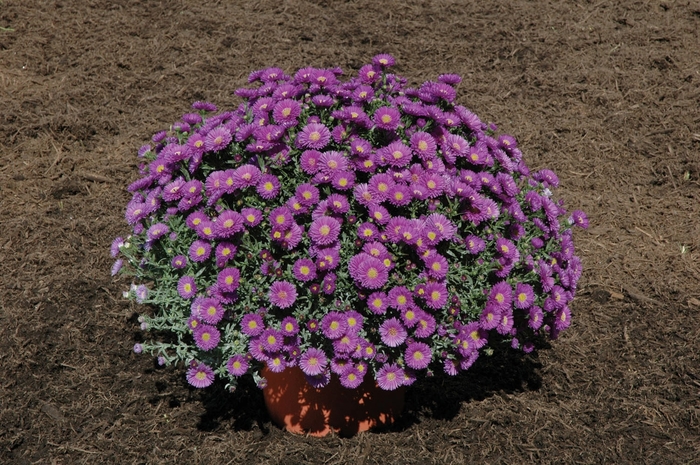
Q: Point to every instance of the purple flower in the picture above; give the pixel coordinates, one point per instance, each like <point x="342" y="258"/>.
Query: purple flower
<point x="368" y="271"/>
<point x="200" y="375"/>
<point x="579" y="218"/>
<point x="210" y="309"/>
<point x="307" y="194"/>
<point x="281" y="218"/>
<point x="474" y="244"/>
<point x="437" y="266"/>
<point x="351" y="378"/>
<point x="424" y="145"/>
<point x="524" y="296"/>
<point x="252" y="324"/>
<point x="228" y="223"/>
<point x="324" y="230"/>
<point x="418" y="355"/>
<point x="199" y="251"/>
<point x="436" y="295"/>
<point x="268" y="186"/>
<point x="309" y="161"/>
<point x="332" y="162"/>
<point x="282" y="294"/>
<point x="490" y="316"/>
<point x="313" y="362"/>
<point x="562" y="319"/>
<point x="397" y="154"/>
<point x="334" y="325"/>
<point x="313" y="136"/>
<point x="178" y="262"/>
<point x="304" y="270"/>
<point x="271" y="340"/>
<point x="228" y="279"/>
<point x="246" y="176"/>
<point x="251" y="217"/>
<point x="501" y="295"/>
<point x="392" y="332"/>
<point x="387" y="118"/>
<point x="390" y="377"/>
<point x="237" y="365"/>
<point x="383" y="60"/>
<point x="186" y="287"/>
<point x="118" y="264"/>
<point x="400" y="298"/>
<point x="217" y="139"/>
<point x="378" y="302"/>
<point x="206" y="337"/>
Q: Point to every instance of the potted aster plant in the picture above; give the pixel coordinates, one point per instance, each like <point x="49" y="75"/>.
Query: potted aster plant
<point x="340" y="238"/>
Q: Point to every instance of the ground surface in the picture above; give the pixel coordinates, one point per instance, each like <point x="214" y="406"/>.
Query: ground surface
<point x="605" y="93"/>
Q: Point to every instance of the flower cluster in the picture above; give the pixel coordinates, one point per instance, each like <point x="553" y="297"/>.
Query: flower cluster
<point x="356" y="227"/>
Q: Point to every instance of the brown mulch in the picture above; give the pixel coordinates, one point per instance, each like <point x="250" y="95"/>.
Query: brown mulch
<point x="605" y="93"/>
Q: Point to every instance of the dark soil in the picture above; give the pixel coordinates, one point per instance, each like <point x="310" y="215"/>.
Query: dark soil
<point x="605" y="93"/>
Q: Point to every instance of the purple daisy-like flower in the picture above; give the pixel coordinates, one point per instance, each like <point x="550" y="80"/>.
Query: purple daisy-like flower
<point x="116" y="245"/>
<point x="179" y="262"/>
<point x="387" y="118"/>
<point x="424" y="145"/>
<point x="535" y="316"/>
<point x="368" y="271"/>
<point x="351" y="378"/>
<point x="334" y="325"/>
<point x="251" y="217"/>
<point x="579" y="218"/>
<point x="206" y="337"/>
<point x="505" y="322"/>
<point x="228" y="223"/>
<point x="562" y="318"/>
<point x="308" y="194"/>
<point x="454" y="146"/>
<point x="437" y="266"/>
<point x="425" y="324"/>
<point x="224" y="252"/>
<point x="272" y="340"/>
<point x="252" y="324"/>
<point x="378" y="303"/>
<point x="324" y="230"/>
<point x="418" y="355"/>
<point x="397" y="154"/>
<point x="474" y="244"/>
<point x="367" y="232"/>
<point x="383" y="60"/>
<point x="268" y="187"/>
<point x="506" y="248"/>
<point x="332" y="162"/>
<point x="501" y="295"/>
<point x="490" y="316"/>
<point x="313" y="136"/>
<point x="313" y="362"/>
<point x="436" y="295"/>
<point x="392" y="332"/>
<point x="237" y="365"/>
<point x="228" y="279"/>
<point x="400" y="195"/>
<point x="186" y="287"/>
<point x="286" y="111"/>
<point x="304" y="270"/>
<point x="390" y="377"/>
<point x="200" y="375"/>
<point x="524" y="296"/>
<point x="379" y="214"/>
<point x="282" y="294"/>
<point x="328" y="284"/>
<point x="199" y="251"/>
<point x="246" y="176"/>
<point x="217" y="139"/>
<point x="433" y="184"/>
<point x="208" y="309"/>
<point x="338" y="203"/>
<point x="276" y="363"/>
<point x="309" y="161"/>
<point x="289" y="326"/>
<point x="118" y="264"/>
<point x="400" y="297"/>
<point x="281" y="218"/>
<point x="343" y="180"/>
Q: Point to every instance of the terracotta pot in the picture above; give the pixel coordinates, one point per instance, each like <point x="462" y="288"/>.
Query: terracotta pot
<point x="299" y="408"/>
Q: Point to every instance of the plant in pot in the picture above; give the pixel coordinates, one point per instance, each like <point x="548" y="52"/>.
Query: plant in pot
<point x="339" y="238"/>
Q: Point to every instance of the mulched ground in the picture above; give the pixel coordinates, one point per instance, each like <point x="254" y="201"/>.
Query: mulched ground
<point x="605" y="93"/>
